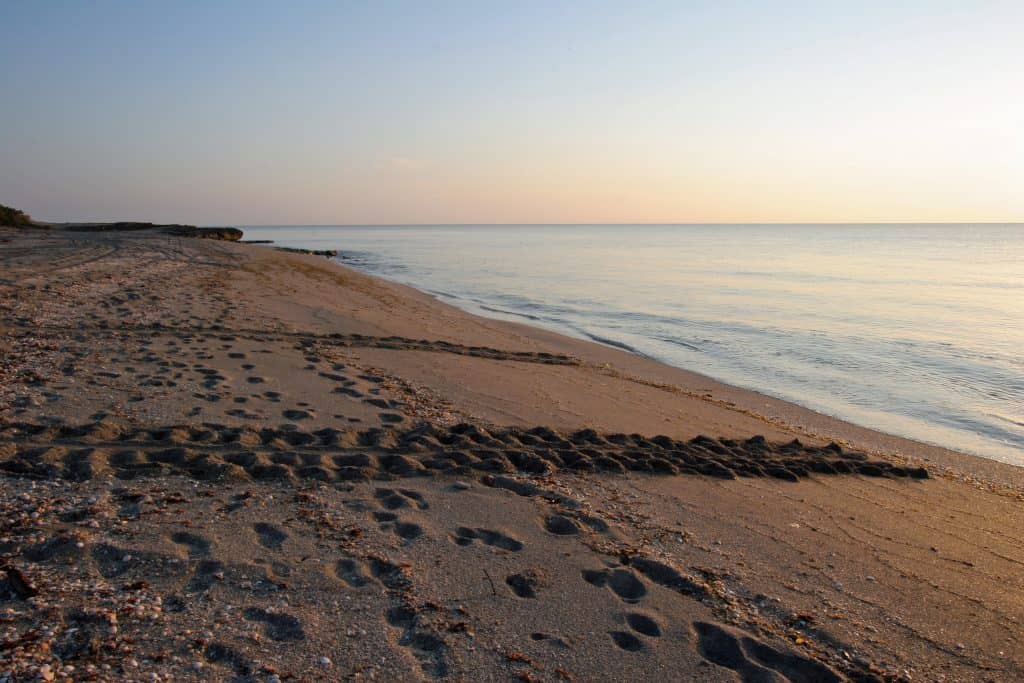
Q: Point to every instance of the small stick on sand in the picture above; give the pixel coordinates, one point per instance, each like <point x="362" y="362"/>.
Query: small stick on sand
<point x="494" y="591"/>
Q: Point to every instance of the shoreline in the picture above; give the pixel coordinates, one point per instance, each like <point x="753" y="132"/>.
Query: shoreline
<point x="224" y="462"/>
<point x="923" y="430"/>
<point x="772" y="410"/>
<point x="824" y="427"/>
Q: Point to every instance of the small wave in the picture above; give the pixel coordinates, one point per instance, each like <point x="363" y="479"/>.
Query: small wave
<point x="446" y="295"/>
<point x="679" y="342"/>
<point x="1014" y="421"/>
<point x="616" y="344"/>
<point x="357" y="256"/>
<point x="504" y="312"/>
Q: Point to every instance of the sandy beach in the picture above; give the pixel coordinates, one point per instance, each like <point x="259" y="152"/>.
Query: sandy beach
<point x="223" y="461"/>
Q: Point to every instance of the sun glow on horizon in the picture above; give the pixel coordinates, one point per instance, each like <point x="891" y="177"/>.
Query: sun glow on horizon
<point x="472" y="113"/>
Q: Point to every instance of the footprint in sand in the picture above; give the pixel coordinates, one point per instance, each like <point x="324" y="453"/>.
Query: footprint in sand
<point x="408" y="530"/>
<point x="643" y="624"/>
<point x="402" y="616"/>
<point x="640" y="623"/>
<point x="218" y="653"/>
<point x="627" y="641"/>
<point x="526" y="584"/>
<point x="269" y="536"/>
<point x="64" y="548"/>
<point x="197" y="545"/>
<point x="754" y="660"/>
<point x="622" y="582"/>
<point x="465" y="536"/>
<point x="278" y="626"/>
<point x="351" y="572"/>
<point x="392" y="499"/>
<point x="561" y="526"/>
<point x="333" y="377"/>
<point x="388" y="573"/>
<point x="425" y="645"/>
<point x="666" y="576"/>
<point x="207" y="573"/>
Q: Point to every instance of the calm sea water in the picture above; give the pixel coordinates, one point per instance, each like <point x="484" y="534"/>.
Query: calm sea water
<point x="916" y="330"/>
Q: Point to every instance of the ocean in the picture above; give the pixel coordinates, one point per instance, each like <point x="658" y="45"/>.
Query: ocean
<point x="914" y="330"/>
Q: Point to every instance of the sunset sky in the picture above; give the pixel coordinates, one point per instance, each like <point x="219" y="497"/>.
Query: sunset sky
<point x="465" y="112"/>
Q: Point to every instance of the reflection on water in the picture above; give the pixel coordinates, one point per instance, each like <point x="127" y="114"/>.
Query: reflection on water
<point x="914" y="330"/>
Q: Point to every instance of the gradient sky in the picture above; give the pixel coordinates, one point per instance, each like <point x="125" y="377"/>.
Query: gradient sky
<point x="506" y="112"/>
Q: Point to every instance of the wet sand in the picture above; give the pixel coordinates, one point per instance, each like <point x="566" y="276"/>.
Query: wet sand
<point x="223" y="461"/>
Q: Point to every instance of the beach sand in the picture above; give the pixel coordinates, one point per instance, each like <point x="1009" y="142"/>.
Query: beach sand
<point x="227" y="462"/>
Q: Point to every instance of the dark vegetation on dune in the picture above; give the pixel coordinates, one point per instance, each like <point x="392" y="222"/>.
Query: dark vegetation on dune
<point x="178" y="229"/>
<point x="10" y="216"/>
<point x="123" y="226"/>
<point x="13" y="217"/>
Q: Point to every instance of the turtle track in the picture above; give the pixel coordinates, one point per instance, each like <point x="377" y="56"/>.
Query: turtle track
<point x="211" y="451"/>
<point x="302" y="339"/>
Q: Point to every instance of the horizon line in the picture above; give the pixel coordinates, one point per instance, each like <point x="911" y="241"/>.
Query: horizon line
<point x="584" y="224"/>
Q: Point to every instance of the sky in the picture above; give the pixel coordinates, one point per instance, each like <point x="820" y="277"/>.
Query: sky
<point x="221" y="113"/>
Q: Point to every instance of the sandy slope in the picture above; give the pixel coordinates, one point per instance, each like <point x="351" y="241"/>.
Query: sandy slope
<point x="223" y="461"/>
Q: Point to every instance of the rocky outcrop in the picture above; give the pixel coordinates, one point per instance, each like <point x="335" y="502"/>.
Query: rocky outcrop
<point x="329" y="253"/>
<point x="227" y="234"/>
